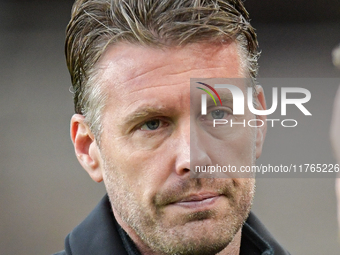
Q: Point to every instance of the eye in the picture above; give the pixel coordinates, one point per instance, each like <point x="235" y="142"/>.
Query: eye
<point x="151" y="125"/>
<point x="217" y="114"/>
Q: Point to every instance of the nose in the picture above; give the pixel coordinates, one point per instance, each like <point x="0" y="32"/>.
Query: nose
<point x="191" y="151"/>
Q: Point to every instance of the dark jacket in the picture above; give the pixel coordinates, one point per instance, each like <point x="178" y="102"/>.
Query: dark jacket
<point x="99" y="234"/>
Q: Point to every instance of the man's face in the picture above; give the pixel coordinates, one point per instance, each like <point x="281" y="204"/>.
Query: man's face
<point x="145" y="147"/>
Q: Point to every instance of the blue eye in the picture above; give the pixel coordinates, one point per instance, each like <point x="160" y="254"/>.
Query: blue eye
<point x="217" y="114"/>
<point x="151" y="125"/>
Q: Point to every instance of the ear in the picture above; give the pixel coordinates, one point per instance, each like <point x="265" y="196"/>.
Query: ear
<point x="261" y="131"/>
<point x="86" y="148"/>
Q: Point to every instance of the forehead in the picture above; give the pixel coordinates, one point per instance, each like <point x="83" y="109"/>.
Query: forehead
<point x="134" y="65"/>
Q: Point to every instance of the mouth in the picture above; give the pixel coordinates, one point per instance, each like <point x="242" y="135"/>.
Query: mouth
<point x="200" y="201"/>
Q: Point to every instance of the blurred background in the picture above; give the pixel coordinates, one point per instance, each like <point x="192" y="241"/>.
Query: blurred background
<point x="44" y="193"/>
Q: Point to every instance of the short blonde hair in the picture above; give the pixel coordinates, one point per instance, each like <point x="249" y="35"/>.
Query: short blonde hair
<point x="95" y="24"/>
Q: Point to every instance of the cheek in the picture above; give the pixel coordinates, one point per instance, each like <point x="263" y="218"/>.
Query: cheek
<point x="142" y="173"/>
<point x="248" y="190"/>
<point x="240" y="147"/>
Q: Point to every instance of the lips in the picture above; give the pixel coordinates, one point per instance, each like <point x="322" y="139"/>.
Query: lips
<point x="198" y="201"/>
<point x="198" y="197"/>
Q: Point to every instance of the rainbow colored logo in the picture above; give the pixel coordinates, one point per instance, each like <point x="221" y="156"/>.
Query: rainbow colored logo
<point x="212" y="89"/>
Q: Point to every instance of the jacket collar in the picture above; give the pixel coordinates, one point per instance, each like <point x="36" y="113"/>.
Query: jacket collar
<point x="97" y="234"/>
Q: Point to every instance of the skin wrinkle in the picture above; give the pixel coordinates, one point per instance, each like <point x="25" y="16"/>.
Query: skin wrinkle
<point x="197" y="69"/>
<point x="156" y="86"/>
<point x="143" y="74"/>
<point x="158" y="68"/>
<point x="172" y="74"/>
<point x="126" y="60"/>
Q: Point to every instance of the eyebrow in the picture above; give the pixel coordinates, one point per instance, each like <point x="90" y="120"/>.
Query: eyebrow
<point x="226" y="97"/>
<point x="142" y="113"/>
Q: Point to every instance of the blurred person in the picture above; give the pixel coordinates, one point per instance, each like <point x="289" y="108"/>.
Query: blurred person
<point x="335" y="128"/>
<point x="130" y="64"/>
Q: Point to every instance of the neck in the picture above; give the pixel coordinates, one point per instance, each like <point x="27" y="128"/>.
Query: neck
<point x="234" y="246"/>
